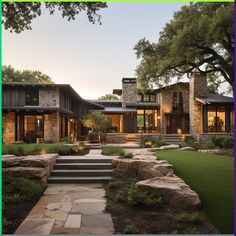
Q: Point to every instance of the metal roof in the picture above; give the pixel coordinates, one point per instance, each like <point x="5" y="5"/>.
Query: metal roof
<point x="214" y="98"/>
<point x="114" y="110"/>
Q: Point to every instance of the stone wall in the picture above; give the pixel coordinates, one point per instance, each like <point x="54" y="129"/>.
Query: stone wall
<point x="115" y="138"/>
<point x="166" y="102"/>
<point x="49" y="97"/>
<point x="37" y="168"/>
<point x="8" y="127"/>
<point x="52" y="126"/>
<point x="204" y="138"/>
<point x="129" y="92"/>
<point x="197" y="88"/>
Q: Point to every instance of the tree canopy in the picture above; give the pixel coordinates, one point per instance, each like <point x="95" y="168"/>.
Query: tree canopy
<point x="109" y="97"/>
<point x="18" y="16"/>
<point x="96" y="121"/>
<point x="200" y="37"/>
<point x="9" y="74"/>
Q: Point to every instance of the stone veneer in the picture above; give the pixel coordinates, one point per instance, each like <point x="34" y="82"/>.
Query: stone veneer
<point x="204" y="138"/>
<point x="49" y="97"/>
<point x="129" y="92"/>
<point x="166" y="102"/>
<point x="52" y="126"/>
<point x="8" y="127"/>
<point x="197" y="88"/>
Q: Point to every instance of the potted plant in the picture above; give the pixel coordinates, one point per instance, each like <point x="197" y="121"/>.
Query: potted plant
<point x="97" y="123"/>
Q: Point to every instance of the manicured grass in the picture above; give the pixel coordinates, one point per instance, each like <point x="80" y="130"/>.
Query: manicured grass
<point x="211" y="176"/>
<point x="30" y="148"/>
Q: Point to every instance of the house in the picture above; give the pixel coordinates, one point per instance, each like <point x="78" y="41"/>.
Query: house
<point x="51" y="112"/>
<point x="180" y="108"/>
<point x="31" y="112"/>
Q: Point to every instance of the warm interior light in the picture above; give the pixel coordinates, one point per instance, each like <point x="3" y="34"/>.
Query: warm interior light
<point x="158" y="117"/>
<point x="179" y="131"/>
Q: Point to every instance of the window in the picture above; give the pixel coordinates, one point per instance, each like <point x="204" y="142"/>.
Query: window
<point x="152" y="97"/>
<point x="146" y="97"/>
<point x="32" y="97"/>
<point x="178" y="102"/>
<point x="216" y="119"/>
<point x="33" y="128"/>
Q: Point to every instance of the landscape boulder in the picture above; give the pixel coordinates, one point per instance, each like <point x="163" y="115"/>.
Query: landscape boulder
<point x="167" y="147"/>
<point x="36" y="167"/>
<point x="173" y="191"/>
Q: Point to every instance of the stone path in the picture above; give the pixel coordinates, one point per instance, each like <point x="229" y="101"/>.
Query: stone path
<point x="69" y="209"/>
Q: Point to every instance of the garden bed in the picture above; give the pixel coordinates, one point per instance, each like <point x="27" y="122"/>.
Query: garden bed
<point x="15" y="213"/>
<point x="133" y="212"/>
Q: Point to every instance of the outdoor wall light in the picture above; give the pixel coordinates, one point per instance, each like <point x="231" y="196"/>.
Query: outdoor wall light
<point x="179" y="131"/>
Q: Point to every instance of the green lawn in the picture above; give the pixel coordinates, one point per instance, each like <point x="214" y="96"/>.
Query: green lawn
<point x="211" y="176"/>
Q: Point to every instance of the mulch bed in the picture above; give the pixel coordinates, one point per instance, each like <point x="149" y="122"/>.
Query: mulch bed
<point x="16" y="213"/>
<point x="149" y="220"/>
<point x="78" y="153"/>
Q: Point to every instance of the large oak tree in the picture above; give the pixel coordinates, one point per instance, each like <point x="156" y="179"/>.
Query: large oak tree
<point x="18" y="16"/>
<point x="200" y="37"/>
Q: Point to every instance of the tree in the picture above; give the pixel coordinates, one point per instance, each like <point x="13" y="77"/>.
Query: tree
<point x="18" y="16"/>
<point x="96" y="121"/>
<point x="200" y="37"/>
<point x="9" y="74"/>
<point x="109" y="97"/>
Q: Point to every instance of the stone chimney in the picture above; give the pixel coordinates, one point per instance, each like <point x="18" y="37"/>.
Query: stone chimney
<point x="129" y="88"/>
<point x="197" y="88"/>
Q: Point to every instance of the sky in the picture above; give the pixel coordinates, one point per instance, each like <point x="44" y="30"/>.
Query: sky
<point x="92" y="58"/>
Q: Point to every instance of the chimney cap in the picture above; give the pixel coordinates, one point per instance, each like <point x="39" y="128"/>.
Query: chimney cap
<point x="128" y="80"/>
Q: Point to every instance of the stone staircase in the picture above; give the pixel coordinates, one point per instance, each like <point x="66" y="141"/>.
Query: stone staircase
<point x="133" y="138"/>
<point x="68" y="170"/>
<point x="172" y="138"/>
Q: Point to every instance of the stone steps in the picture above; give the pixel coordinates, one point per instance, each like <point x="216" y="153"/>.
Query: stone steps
<point x="81" y="173"/>
<point x="73" y="180"/>
<point x="82" y="166"/>
<point x="68" y="170"/>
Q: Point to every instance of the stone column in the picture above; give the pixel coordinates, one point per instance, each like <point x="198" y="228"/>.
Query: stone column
<point x="197" y="88"/>
<point x="8" y="127"/>
<point x="129" y="91"/>
<point x="52" y="127"/>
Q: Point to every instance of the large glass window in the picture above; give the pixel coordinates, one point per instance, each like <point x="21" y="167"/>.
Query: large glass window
<point x="146" y="98"/>
<point x="33" y="128"/>
<point x="232" y="119"/>
<point x="177" y="102"/>
<point x="32" y="97"/>
<point x="64" y="127"/>
<point x="216" y="118"/>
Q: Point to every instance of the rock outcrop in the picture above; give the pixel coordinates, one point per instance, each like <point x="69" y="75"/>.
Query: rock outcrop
<point x="36" y="167"/>
<point x="173" y="190"/>
<point x="157" y="177"/>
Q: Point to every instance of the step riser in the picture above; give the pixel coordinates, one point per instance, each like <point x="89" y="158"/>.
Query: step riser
<point x="83" y="161"/>
<point x="76" y="167"/>
<point x="71" y="174"/>
<point x="69" y="181"/>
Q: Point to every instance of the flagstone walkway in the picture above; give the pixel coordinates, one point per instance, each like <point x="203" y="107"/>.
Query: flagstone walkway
<point x="69" y="209"/>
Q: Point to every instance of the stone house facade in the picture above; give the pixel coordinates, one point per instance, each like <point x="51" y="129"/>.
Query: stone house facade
<point x="34" y="112"/>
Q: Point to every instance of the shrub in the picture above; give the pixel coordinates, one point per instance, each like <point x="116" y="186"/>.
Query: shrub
<point x="48" y="141"/>
<point x="16" y="189"/>
<point x="66" y="150"/>
<point x="66" y="140"/>
<point x="191" y="142"/>
<point x="130" y="229"/>
<point x="137" y="197"/>
<point x="19" y="151"/>
<point x="38" y="149"/>
<point x="113" y="151"/>
<point x="150" y="142"/>
<point x="207" y="146"/>
<point x="18" y="142"/>
<point x="223" y="142"/>
<point x="114" y="184"/>
<point x="120" y="198"/>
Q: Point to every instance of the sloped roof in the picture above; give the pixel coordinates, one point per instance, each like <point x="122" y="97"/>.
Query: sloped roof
<point x="214" y="98"/>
